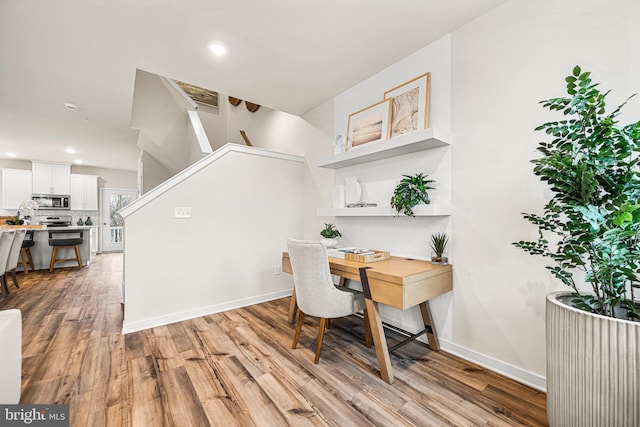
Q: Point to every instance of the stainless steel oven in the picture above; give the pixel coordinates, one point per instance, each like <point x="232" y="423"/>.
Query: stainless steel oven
<point x="52" y="201"/>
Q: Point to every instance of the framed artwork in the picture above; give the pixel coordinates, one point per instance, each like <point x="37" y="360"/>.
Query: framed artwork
<point x="369" y="124"/>
<point x="410" y="110"/>
<point x="199" y="95"/>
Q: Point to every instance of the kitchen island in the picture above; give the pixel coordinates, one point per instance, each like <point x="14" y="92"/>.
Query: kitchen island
<point x="41" y="251"/>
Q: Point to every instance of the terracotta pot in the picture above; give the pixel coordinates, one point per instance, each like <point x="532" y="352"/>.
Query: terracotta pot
<point x="593" y="367"/>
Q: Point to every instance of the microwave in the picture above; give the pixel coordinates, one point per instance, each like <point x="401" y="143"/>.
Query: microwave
<point x="52" y="201"/>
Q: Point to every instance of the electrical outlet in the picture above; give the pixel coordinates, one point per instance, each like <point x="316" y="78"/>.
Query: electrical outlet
<point x="182" y="212"/>
<point x="277" y="269"/>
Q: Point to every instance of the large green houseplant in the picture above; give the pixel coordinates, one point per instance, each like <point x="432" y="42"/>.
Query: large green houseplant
<point x="593" y="217"/>
<point x="590" y="231"/>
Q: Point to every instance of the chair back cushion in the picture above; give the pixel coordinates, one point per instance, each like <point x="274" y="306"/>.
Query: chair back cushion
<point x="14" y="253"/>
<point x="65" y="237"/>
<point x="6" y="240"/>
<point x="315" y="292"/>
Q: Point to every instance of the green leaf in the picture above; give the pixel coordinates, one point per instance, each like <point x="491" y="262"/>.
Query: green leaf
<point x="576" y="71"/>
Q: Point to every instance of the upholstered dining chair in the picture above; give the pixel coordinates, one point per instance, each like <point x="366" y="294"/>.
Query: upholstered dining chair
<point x="316" y="294"/>
<point x="14" y="254"/>
<point x="6" y="240"/>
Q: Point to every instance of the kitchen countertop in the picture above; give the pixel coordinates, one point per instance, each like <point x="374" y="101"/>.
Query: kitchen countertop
<point x="33" y="227"/>
<point x="71" y="227"/>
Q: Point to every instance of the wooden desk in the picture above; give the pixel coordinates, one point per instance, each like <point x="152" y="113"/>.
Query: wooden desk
<point x="398" y="282"/>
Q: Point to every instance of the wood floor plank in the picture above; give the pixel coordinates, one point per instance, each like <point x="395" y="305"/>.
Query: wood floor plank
<point x="291" y="404"/>
<point x="182" y="398"/>
<point x="243" y="389"/>
<point x="237" y="368"/>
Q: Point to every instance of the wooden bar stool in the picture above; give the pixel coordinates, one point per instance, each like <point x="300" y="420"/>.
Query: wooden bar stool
<point x="68" y="241"/>
<point x="25" y="252"/>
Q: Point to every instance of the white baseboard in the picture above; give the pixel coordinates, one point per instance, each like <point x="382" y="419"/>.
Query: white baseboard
<point x="128" y="327"/>
<point x="503" y="368"/>
<point x="515" y="373"/>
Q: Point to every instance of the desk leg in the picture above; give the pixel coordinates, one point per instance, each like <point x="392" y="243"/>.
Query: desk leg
<point x="379" y="339"/>
<point x="432" y="336"/>
<point x="293" y="307"/>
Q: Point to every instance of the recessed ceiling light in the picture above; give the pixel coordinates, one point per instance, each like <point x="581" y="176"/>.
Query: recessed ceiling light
<point x="12" y="155"/>
<point x="78" y="162"/>
<point x="70" y="150"/>
<point x="71" y="107"/>
<point x="217" y="47"/>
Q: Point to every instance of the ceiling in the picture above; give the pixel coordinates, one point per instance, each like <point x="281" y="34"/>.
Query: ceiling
<point x="290" y="55"/>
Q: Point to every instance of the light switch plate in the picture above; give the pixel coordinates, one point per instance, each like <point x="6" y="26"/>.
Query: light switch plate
<point x="182" y="212"/>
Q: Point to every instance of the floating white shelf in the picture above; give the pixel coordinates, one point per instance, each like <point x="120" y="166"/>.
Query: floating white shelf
<point x="404" y="144"/>
<point x="420" y="210"/>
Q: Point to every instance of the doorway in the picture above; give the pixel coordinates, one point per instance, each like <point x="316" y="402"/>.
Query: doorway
<point x="112" y="224"/>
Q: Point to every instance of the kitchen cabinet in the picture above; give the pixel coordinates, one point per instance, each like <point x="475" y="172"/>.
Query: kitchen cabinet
<point x="15" y="187"/>
<point x="51" y="178"/>
<point x="84" y="192"/>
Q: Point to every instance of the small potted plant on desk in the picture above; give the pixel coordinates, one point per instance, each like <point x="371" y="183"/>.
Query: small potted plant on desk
<point x="438" y="245"/>
<point x="330" y="235"/>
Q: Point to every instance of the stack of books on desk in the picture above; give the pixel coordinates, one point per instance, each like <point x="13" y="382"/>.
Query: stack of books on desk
<point x="358" y="254"/>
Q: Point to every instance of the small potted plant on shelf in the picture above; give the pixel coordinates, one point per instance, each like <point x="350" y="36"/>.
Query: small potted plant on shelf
<point x="438" y="245"/>
<point x="411" y="191"/>
<point x="329" y="235"/>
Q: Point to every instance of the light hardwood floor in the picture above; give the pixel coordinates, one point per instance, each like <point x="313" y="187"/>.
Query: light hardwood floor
<point x="237" y="367"/>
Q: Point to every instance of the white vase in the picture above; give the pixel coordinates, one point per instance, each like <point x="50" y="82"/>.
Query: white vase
<point x="353" y="190"/>
<point x="593" y="375"/>
<point x="329" y="243"/>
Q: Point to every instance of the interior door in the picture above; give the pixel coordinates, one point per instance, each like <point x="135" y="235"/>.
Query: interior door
<point x="112" y="223"/>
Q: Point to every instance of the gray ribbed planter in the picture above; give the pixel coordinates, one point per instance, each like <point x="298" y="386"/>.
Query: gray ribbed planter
<point x="593" y="368"/>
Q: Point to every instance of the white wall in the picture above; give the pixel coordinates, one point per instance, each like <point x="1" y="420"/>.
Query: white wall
<point x="266" y="128"/>
<point x="153" y="172"/>
<point x="111" y="178"/>
<point x="214" y="121"/>
<point x="159" y="111"/>
<point x="487" y="79"/>
<point x="243" y="207"/>
<point x="401" y="235"/>
<point x="502" y="64"/>
<point x="318" y="182"/>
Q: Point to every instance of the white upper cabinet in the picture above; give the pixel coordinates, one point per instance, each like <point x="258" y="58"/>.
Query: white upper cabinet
<point x="51" y="178"/>
<point x="15" y="187"/>
<point x="84" y="192"/>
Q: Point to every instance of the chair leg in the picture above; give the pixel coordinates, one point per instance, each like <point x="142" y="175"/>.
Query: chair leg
<point x="15" y="278"/>
<point x="30" y="260"/>
<point x="3" y="285"/>
<point x="53" y="259"/>
<point x="367" y="330"/>
<point x="23" y="258"/>
<point x="78" y="257"/>
<point x="323" y="325"/>
<point x="298" y="329"/>
<point x="328" y="324"/>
